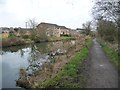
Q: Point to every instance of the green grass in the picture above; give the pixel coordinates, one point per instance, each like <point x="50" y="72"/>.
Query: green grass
<point x="68" y="76"/>
<point x="110" y="53"/>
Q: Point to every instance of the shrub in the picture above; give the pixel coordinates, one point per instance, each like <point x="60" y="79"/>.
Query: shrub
<point x="25" y="36"/>
<point x="12" y="42"/>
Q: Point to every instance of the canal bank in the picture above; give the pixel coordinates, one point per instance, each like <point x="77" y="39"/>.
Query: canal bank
<point x="70" y="75"/>
<point x="64" y="73"/>
<point x="38" y="62"/>
<point x="15" y="41"/>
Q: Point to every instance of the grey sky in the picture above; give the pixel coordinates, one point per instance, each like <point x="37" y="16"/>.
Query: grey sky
<point x="71" y="13"/>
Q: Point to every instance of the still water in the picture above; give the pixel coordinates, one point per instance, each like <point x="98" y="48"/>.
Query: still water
<point x="30" y="57"/>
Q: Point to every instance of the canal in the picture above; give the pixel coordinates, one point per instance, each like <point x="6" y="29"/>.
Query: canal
<point x="30" y="58"/>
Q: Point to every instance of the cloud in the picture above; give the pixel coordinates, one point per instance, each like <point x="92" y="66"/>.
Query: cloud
<point x="71" y="13"/>
<point x="2" y="2"/>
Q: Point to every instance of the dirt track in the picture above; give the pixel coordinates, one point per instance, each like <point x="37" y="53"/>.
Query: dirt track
<point x="100" y="72"/>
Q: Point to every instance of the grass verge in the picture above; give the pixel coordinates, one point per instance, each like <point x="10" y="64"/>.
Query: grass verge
<point x="110" y="53"/>
<point x="69" y="76"/>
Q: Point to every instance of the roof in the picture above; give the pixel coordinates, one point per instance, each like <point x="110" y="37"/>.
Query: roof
<point x="51" y="24"/>
<point x="80" y="29"/>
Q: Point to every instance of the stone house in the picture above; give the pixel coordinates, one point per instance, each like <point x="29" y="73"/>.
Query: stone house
<point x="48" y="28"/>
<point x="74" y="33"/>
<point x="64" y="30"/>
<point x="53" y="29"/>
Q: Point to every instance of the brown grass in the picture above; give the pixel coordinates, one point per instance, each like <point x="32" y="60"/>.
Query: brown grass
<point x="51" y="69"/>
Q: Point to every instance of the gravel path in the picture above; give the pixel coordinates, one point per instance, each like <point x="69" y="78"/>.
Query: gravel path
<point x="100" y="72"/>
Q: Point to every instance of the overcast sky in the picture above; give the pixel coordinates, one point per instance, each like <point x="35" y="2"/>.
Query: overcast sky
<point x="70" y="13"/>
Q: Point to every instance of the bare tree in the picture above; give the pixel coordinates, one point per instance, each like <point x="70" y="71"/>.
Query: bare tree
<point x="32" y="23"/>
<point x="107" y="15"/>
<point x="107" y="9"/>
<point x="38" y="34"/>
<point x="87" y="27"/>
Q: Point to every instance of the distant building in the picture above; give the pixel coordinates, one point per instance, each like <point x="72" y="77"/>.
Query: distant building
<point x="81" y="30"/>
<point x="4" y="32"/>
<point x="22" y="31"/>
<point x="43" y="29"/>
<point x="53" y="29"/>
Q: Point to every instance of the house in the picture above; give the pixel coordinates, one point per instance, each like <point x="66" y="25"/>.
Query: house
<point x="48" y="28"/>
<point x="64" y="30"/>
<point x="53" y="29"/>
<point x="4" y="32"/>
<point x="74" y="32"/>
<point x="81" y="30"/>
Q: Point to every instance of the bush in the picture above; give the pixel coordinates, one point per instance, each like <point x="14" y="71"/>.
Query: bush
<point x="25" y="36"/>
<point x="12" y="42"/>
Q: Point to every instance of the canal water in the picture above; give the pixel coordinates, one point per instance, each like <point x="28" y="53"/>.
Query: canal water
<point x="30" y="58"/>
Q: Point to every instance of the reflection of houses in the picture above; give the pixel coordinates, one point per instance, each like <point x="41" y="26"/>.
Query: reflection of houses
<point x="53" y="29"/>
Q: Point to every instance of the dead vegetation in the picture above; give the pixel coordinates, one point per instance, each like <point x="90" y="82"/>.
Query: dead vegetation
<point x="49" y="70"/>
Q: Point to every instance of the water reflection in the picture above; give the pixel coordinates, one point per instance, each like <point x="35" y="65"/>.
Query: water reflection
<point x="29" y="59"/>
<point x="37" y="56"/>
<point x="44" y="59"/>
<point x="40" y="54"/>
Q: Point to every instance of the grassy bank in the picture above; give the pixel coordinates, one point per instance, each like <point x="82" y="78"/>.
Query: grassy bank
<point x="110" y="52"/>
<point x="69" y="76"/>
<point x="12" y="41"/>
<point x="15" y="41"/>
